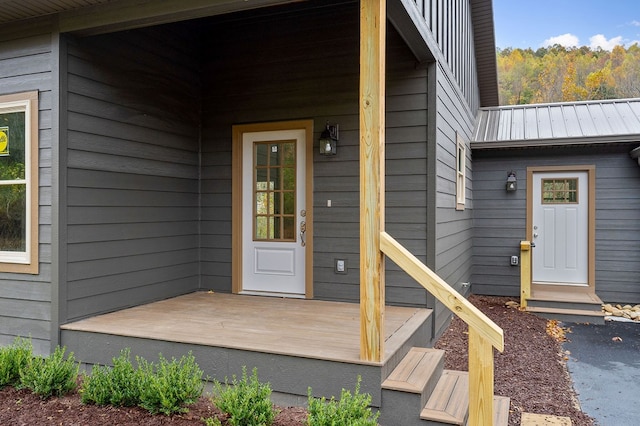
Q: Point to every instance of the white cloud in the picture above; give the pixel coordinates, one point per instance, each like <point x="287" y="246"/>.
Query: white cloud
<point x="635" y="23"/>
<point x="566" y="40"/>
<point x="600" y="40"/>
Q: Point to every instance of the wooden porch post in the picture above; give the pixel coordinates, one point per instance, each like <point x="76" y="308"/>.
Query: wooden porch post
<point x="480" y="379"/>
<point x="373" y="21"/>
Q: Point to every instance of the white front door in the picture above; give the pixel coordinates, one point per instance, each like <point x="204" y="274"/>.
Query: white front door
<point x="561" y="228"/>
<point x="273" y="213"/>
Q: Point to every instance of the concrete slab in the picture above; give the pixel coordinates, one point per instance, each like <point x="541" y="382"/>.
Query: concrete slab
<point x="529" y="419"/>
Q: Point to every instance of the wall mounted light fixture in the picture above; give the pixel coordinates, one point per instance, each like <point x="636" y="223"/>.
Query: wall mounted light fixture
<point x="329" y="140"/>
<point x="512" y="183"/>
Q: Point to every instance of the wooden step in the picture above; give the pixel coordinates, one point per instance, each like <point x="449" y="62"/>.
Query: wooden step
<point x="406" y="390"/>
<point x="415" y="369"/>
<point x="569" y="315"/>
<point x="449" y="402"/>
<point x="501" y="405"/>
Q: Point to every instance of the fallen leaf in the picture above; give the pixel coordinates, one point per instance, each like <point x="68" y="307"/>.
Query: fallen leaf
<point x="556" y="331"/>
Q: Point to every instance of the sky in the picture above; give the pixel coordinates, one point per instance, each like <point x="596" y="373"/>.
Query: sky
<point x="541" y="23"/>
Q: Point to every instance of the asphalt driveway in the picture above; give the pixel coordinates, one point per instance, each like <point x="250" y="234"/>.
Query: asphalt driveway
<point x="604" y="363"/>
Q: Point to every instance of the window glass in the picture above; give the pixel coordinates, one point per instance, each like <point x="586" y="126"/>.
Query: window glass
<point x="19" y="183"/>
<point x="560" y="191"/>
<point x="274" y="193"/>
<point x="460" y="173"/>
<point x="13" y="194"/>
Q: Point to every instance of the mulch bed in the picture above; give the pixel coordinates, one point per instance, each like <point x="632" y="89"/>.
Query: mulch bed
<point x="531" y="371"/>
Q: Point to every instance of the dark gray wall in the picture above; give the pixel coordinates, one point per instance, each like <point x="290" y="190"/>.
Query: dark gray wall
<point x="145" y="156"/>
<point x="499" y="218"/>
<point x="305" y="65"/>
<point x="132" y="169"/>
<point x="27" y="62"/>
<point x="452" y="233"/>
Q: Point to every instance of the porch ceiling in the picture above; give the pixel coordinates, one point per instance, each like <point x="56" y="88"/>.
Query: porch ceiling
<point x="96" y="16"/>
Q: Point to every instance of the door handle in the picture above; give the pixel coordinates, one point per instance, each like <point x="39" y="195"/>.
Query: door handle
<point x="303" y="233"/>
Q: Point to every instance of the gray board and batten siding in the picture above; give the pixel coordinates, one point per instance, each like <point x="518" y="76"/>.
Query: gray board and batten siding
<point x="28" y="61"/>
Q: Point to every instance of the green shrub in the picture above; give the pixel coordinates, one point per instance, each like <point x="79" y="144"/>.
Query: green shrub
<point x="14" y="359"/>
<point x="246" y="402"/>
<point x="168" y="386"/>
<point x="117" y="386"/>
<point x="51" y="376"/>
<point x="350" y="410"/>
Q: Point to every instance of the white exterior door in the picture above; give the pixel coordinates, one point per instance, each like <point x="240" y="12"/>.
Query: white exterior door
<point x="273" y="213"/>
<point x="561" y="228"/>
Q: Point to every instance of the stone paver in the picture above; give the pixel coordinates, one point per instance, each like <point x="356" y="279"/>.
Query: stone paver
<point x="529" y="419"/>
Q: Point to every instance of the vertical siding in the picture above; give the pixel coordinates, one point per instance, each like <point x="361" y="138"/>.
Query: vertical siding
<point x="26" y="63"/>
<point x="499" y="218"/>
<point x="450" y="23"/>
<point x="294" y="74"/>
<point x="132" y="169"/>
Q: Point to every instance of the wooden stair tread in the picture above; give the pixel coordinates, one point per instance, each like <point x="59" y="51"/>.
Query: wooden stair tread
<point x="414" y="371"/>
<point x="540" y="309"/>
<point x="501" y="405"/>
<point x="449" y="402"/>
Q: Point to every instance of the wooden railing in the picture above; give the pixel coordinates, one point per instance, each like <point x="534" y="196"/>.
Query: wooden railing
<point x="484" y="334"/>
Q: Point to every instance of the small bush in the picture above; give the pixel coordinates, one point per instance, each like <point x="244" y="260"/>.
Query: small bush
<point x="246" y="402"/>
<point x="14" y="359"/>
<point x="117" y="386"/>
<point x="168" y="386"/>
<point x="51" y="376"/>
<point x="350" y="410"/>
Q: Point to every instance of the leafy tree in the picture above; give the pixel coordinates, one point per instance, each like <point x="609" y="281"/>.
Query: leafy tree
<point x="557" y="73"/>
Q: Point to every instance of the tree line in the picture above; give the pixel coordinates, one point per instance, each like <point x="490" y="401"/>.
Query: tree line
<point x="558" y="74"/>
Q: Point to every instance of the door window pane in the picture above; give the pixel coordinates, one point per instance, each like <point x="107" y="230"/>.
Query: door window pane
<point x="274" y="190"/>
<point x="560" y="191"/>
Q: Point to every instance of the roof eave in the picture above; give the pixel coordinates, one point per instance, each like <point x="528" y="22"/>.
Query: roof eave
<point x="485" y="51"/>
<point x="557" y="142"/>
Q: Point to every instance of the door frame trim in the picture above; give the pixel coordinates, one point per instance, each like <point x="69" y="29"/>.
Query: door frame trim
<point x="591" y="212"/>
<point x="236" y="196"/>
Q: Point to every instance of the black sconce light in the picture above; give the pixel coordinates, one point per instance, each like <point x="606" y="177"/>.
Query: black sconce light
<point x="329" y="140"/>
<point x="512" y="183"/>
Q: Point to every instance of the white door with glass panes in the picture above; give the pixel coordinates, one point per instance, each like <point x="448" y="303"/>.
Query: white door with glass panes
<point x="274" y="219"/>
<point x="560" y="228"/>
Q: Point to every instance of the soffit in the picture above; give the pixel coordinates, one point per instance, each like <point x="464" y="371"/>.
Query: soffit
<point x="485" y="49"/>
<point x="17" y="10"/>
<point x="88" y="17"/>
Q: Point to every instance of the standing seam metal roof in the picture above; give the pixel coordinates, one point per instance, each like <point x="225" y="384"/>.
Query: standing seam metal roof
<point x="558" y="124"/>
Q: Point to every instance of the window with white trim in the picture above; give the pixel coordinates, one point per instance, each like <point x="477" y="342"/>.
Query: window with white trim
<point x="461" y="159"/>
<point x="19" y="183"/>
